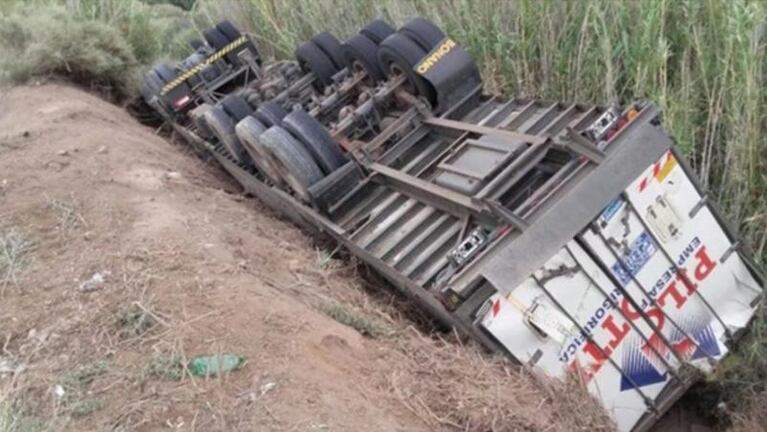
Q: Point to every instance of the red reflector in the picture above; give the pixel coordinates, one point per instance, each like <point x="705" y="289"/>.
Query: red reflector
<point x="181" y="102"/>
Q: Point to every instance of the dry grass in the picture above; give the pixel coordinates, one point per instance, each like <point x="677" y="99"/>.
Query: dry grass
<point x="68" y="213"/>
<point x="447" y="384"/>
<point x="750" y="417"/>
<point x="14" y="247"/>
<point x="446" y="381"/>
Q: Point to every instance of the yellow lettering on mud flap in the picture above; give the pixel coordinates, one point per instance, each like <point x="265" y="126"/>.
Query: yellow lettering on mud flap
<point x="436" y="55"/>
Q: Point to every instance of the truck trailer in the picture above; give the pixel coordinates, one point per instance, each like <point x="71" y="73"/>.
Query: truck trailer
<point x="571" y="238"/>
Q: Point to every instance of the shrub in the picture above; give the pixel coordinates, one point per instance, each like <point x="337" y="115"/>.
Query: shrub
<point x="44" y="42"/>
<point x="103" y="45"/>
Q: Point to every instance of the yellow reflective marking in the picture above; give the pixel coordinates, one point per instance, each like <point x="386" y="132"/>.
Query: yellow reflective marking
<point x="205" y="63"/>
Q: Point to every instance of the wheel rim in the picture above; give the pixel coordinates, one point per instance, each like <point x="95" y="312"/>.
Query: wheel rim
<point x="358" y="67"/>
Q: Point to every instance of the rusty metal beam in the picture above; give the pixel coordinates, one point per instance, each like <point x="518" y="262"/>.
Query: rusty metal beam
<point x="482" y="130"/>
<point x="448" y="200"/>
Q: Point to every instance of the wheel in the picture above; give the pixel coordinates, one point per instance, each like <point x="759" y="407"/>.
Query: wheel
<point x="229" y="30"/>
<point x="191" y="61"/>
<point x="215" y="38"/>
<point x="292" y="161"/>
<point x="165" y="72"/>
<point x="236" y="106"/>
<point x="249" y="132"/>
<point x="423" y="32"/>
<point x="360" y="53"/>
<point x="316" y="139"/>
<point x="151" y="85"/>
<point x="196" y="43"/>
<point x="222" y="127"/>
<point x="330" y="45"/>
<point x="313" y="59"/>
<point x="198" y="119"/>
<point x="397" y="54"/>
<point x="211" y="72"/>
<point x="271" y="114"/>
<point x="377" y="30"/>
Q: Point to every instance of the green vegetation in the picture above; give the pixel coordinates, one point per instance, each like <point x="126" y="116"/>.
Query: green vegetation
<point x="703" y="61"/>
<point x="135" y="321"/>
<point x="365" y="325"/>
<point x="14" y="246"/>
<point x="74" y="389"/>
<point x="165" y="367"/>
<point x="13" y="419"/>
<point x="100" y="44"/>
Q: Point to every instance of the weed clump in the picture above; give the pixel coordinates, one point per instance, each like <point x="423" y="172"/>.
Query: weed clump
<point x="163" y="367"/>
<point x="50" y="42"/>
<point x="14" y="247"/>
<point x="104" y="47"/>
<point x="363" y="324"/>
<point x="73" y="389"/>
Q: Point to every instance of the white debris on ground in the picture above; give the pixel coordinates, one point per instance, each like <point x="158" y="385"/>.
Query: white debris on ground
<point x="95" y="282"/>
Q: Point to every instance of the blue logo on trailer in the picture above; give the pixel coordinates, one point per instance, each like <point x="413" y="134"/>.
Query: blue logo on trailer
<point x="611" y="210"/>
<point x="640" y="252"/>
<point x="640" y="371"/>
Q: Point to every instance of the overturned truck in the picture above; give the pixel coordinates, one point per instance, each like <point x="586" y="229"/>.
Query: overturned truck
<point x="572" y="238"/>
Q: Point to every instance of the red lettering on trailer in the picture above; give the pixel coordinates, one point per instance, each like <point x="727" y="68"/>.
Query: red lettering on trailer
<point x="618" y="333"/>
<point x="705" y="264"/>
<point x="672" y="291"/>
<point x="703" y="268"/>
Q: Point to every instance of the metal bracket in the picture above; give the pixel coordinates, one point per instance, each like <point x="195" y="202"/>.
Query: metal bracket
<point x="583" y="147"/>
<point x="507" y="215"/>
<point x="699" y="205"/>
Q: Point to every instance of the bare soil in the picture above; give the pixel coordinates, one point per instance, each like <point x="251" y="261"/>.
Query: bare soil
<point x="192" y="267"/>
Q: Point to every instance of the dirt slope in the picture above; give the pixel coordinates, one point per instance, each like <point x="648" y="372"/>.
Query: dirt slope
<point x="191" y="267"/>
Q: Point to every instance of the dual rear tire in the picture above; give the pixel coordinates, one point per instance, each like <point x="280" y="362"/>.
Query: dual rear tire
<point x="400" y="52"/>
<point x="295" y="152"/>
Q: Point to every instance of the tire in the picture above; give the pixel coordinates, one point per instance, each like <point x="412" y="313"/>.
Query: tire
<point x="316" y="139"/>
<point x="211" y="72"/>
<point x="196" y="43"/>
<point x="377" y="30"/>
<point x="423" y="32"/>
<point x="198" y="119"/>
<point x="330" y="45"/>
<point x="151" y="85"/>
<point x="293" y="162"/>
<point x="188" y="63"/>
<point x="191" y="61"/>
<point x="249" y="132"/>
<point x="222" y="127"/>
<point x="399" y="51"/>
<point x="165" y="73"/>
<point x="312" y="59"/>
<point x="215" y="38"/>
<point x="360" y="52"/>
<point x="270" y="114"/>
<point x="229" y="30"/>
<point x="236" y="106"/>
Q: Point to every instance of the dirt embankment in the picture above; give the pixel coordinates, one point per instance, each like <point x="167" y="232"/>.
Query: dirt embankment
<point x="123" y="257"/>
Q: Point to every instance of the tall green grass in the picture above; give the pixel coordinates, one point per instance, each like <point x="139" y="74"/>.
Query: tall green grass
<point x="104" y="44"/>
<point x="702" y="61"/>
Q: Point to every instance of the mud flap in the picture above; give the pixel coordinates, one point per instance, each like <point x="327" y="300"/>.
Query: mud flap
<point x="454" y="75"/>
<point x="331" y="190"/>
<point x="180" y="99"/>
